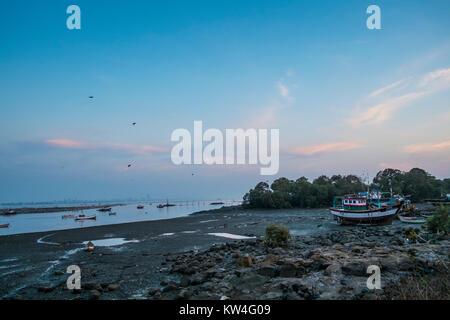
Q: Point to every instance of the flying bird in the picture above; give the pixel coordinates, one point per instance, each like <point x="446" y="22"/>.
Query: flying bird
<point x="134" y="123"/>
<point x="91" y="97"/>
<point x="129" y="165"/>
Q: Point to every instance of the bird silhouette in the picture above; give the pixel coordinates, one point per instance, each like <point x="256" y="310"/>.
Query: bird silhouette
<point x="134" y="123"/>
<point x="129" y="165"/>
<point x="91" y="97"/>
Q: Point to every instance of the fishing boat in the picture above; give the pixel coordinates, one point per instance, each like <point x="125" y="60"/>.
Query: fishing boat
<point x="417" y="220"/>
<point x="357" y="209"/>
<point x="4" y="225"/>
<point x="83" y="217"/>
<point x="11" y="211"/>
<point x="67" y="216"/>
<point x="112" y="213"/>
<point x="105" y="209"/>
<point x="140" y="206"/>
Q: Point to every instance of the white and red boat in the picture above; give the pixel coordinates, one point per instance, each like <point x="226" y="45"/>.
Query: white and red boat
<point x="4" y="225"/>
<point x="356" y="209"/>
<point x="83" y="217"/>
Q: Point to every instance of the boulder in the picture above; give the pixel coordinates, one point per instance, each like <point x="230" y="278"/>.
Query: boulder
<point x="355" y="268"/>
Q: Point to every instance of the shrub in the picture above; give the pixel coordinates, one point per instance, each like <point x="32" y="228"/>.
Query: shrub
<point x="277" y="235"/>
<point x="410" y="234"/>
<point x="440" y="221"/>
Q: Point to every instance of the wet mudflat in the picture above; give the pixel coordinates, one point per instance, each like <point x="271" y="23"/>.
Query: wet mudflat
<point x="199" y="257"/>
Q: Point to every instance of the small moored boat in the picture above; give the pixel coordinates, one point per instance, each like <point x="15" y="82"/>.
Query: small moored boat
<point x="4" y="225"/>
<point x="417" y="220"/>
<point x="83" y="217"/>
<point x="140" y="206"/>
<point x="105" y="209"/>
<point x="67" y="216"/>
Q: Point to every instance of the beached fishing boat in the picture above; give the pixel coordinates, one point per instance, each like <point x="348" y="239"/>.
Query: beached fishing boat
<point x="4" y="225"/>
<point x="83" y="217"/>
<point x="356" y="209"/>
<point x="105" y="209"/>
<point x="417" y="220"/>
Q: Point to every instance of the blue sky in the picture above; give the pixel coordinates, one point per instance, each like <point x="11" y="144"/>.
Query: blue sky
<point x="345" y="98"/>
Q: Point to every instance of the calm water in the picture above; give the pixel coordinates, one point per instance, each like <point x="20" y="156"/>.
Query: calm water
<point x="38" y="222"/>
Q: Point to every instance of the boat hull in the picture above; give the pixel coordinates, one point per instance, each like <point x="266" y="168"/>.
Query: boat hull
<point x="86" y="218"/>
<point x="379" y="216"/>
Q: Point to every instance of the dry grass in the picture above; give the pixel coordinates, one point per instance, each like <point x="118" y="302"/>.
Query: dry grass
<point x="435" y="286"/>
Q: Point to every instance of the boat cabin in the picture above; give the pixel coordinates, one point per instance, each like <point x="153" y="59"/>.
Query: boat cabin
<point x="354" y="204"/>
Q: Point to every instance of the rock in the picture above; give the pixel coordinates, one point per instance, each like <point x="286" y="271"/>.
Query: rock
<point x="184" y="294"/>
<point x="113" y="287"/>
<point x="91" y="286"/>
<point x="333" y="269"/>
<point x="268" y="271"/>
<point x="154" y="290"/>
<point x="288" y="270"/>
<point x="198" y="278"/>
<point x="94" y="295"/>
<point x="248" y="281"/>
<point x="355" y="268"/>
<point x="47" y="287"/>
<point x="245" y="261"/>
<point x="272" y="295"/>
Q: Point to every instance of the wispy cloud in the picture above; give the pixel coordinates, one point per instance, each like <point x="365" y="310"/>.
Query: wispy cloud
<point x="382" y="103"/>
<point x="427" y="147"/>
<point x="325" y="147"/>
<point x="131" y="149"/>
<point x="386" y="88"/>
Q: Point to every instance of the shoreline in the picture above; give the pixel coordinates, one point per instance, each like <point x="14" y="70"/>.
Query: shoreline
<point x="196" y="257"/>
<point x="25" y="210"/>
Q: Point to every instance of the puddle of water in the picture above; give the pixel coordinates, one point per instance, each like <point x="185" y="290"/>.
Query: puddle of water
<point x="300" y="232"/>
<point x="230" y="236"/>
<point x="41" y="240"/>
<point x="10" y="266"/>
<point x="110" y="242"/>
<point x="206" y="221"/>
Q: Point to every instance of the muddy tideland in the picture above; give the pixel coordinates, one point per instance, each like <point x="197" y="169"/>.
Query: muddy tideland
<point x="221" y="254"/>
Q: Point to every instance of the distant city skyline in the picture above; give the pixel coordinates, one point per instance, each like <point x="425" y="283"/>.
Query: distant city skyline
<point x="346" y="99"/>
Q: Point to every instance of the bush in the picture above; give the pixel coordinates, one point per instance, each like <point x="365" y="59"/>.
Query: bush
<point x="277" y="235"/>
<point x="440" y="221"/>
<point x="410" y="234"/>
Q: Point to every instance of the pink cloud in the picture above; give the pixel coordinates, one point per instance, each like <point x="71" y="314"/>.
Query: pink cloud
<point x="427" y="147"/>
<point x="66" y="143"/>
<point x="325" y="147"/>
<point x="75" y="144"/>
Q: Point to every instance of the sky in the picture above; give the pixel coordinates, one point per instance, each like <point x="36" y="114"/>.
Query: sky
<point x="346" y="99"/>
